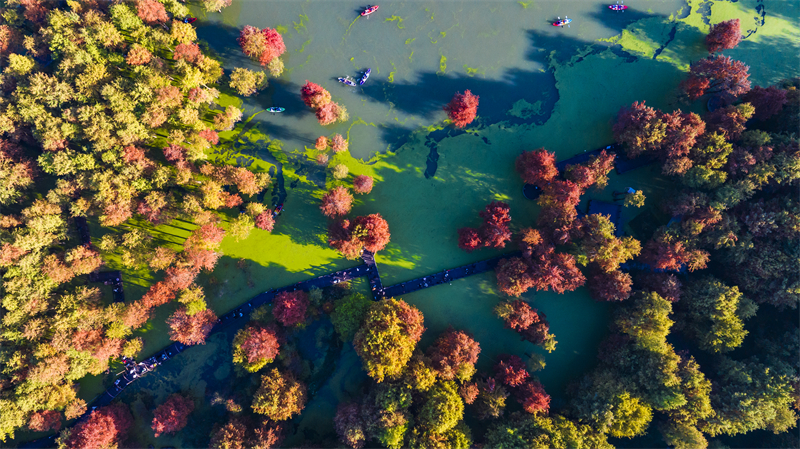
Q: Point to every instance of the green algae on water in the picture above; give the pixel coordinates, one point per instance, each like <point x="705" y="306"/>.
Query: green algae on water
<point x="525" y="4"/>
<point x="397" y="19"/>
<point x="302" y="24"/>
<point x="442" y="65"/>
<point x="410" y="40"/>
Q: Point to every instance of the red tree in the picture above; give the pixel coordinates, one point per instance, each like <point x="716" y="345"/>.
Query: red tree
<point x="314" y="96"/>
<point x="265" y="221"/>
<point x="191" y="330"/>
<point x="469" y="239"/>
<point x="289" y="308"/>
<point x="533" y="398"/>
<point x="159" y="293"/>
<point x="376" y="230"/>
<point x="682" y="132"/>
<point x="138" y="55"/>
<point x="666" y="252"/>
<point x="339" y="143"/>
<point x="610" y="285"/>
<point x="321" y="143"/>
<point x="593" y="172"/>
<point x="537" y="167"/>
<point x="767" y="102"/>
<point x="151" y="12"/>
<point x="462" y="109"/>
<point x="337" y="201"/>
<point x="717" y="74"/>
<point x="469" y="391"/>
<point x="274" y="46"/>
<point x="105" y="428"/>
<point x="188" y="52"/>
<point x="362" y="184"/>
<point x="261" y="343"/>
<point x="454" y="355"/>
<point x="201" y="259"/>
<point x="729" y="121"/>
<point x="342" y="239"/>
<point x="513" y="277"/>
<point x="44" y="421"/>
<point x="510" y="370"/>
<point x="724" y="36"/>
<point x="172" y="415"/>
<point x="210" y="136"/>
<point x="136" y="314"/>
<point x="208" y="236"/>
<point x="519" y="315"/>
<point x="328" y="113"/>
<point x="495" y="232"/>
<point x="178" y="278"/>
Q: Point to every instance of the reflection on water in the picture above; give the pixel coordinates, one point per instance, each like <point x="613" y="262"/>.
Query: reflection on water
<point x="420" y="54"/>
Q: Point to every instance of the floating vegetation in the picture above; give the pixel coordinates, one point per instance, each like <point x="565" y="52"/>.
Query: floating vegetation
<point x="442" y="65"/>
<point x="303" y="47"/>
<point x="525" y="4"/>
<point x="302" y="24"/>
<point x="410" y="40"/>
<point x="397" y="19"/>
<point x="411" y="56"/>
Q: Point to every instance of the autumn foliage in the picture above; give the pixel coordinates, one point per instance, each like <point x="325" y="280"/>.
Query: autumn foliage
<point x="106" y="427"/>
<point x="255" y="346"/>
<point x="44" y="421"/>
<point x="336" y="202"/>
<point x="314" y="95"/>
<point x="493" y="233"/>
<point x="362" y="184"/>
<point x="462" y="109"/>
<point x="533" y="398"/>
<point x="724" y="36"/>
<point x="388" y="337"/>
<point x="350" y="236"/>
<point x="280" y="396"/>
<point x="261" y="45"/>
<point x="172" y="415"/>
<point x="510" y="370"/>
<point x="289" y="308"/>
<point x="717" y="74"/>
<point x="191" y="329"/>
<point x="537" y="167"/>
<point x="454" y="354"/>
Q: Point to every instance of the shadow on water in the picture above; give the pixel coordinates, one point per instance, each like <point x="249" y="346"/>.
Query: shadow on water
<point x="617" y="21"/>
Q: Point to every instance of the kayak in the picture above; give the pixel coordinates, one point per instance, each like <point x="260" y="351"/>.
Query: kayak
<point x="369" y="10"/>
<point x="347" y="81"/>
<point x="275" y="109"/>
<point x="618" y="7"/>
<point x="190" y="20"/>
<point x="561" y="23"/>
<point x="364" y="77"/>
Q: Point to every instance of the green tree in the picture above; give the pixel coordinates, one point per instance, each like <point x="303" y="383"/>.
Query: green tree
<point x="543" y="432"/>
<point x="348" y="315"/>
<point x="715" y="314"/>
<point x="443" y="408"/>
<point x="280" y="396"/>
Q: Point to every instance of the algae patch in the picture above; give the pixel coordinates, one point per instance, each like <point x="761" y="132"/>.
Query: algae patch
<point x="442" y="65"/>
<point x="410" y="40"/>
<point x="523" y="109"/>
<point x="397" y="19"/>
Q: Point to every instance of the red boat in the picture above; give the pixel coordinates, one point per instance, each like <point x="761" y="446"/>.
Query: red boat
<point x="618" y="7"/>
<point x="562" y="22"/>
<point x="369" y="10"/>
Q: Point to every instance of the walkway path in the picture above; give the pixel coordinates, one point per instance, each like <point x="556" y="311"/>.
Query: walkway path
<point x="240" y="316"/>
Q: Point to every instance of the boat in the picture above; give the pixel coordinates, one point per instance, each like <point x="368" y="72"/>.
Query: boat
<point x="347" y="80"/>
<point x="364" y="77"/>
<point x="618" y="7"/>
<point x="189" y="20"/>
<point x="275" y="109"/>
<point x="562" y="22"/>
<point x="369" y="10"/>
<point x="277" y="211"/>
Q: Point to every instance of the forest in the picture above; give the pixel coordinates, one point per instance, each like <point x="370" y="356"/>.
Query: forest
<point x="109" y="111"/>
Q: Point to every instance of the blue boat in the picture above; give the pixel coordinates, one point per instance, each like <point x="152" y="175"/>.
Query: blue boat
<point x="347" y="80"/>
<point x="364" y="77"/>
<point x="275" y="109"/>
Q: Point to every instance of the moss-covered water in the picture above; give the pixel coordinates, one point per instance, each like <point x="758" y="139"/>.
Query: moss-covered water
<point x="539" y="86"/>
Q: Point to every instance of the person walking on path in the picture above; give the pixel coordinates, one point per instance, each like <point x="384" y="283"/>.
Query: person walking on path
<point x="619" y="196"/>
